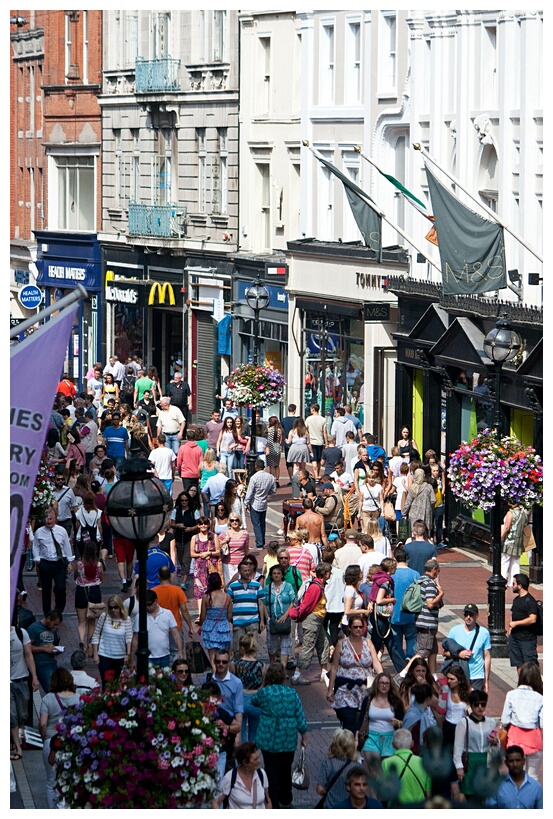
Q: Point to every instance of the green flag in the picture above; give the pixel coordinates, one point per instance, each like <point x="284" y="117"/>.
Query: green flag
<point x="401" y="188"/>
<point x="472" y="249"/>
<point x="368" y="220"/>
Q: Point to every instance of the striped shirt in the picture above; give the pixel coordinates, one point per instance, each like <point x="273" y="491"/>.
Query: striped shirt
<point x="261" y="485"/>
<point x="245" y="602"/>
<point x="112" y="636"/>
<point x="301" y="557"/>
<point x="428" y="618"/>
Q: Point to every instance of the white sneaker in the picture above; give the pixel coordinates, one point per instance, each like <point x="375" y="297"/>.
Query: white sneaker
<point x="280" y="531"/>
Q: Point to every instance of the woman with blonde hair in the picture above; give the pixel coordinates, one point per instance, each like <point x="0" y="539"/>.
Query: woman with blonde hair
<point x="140" y="444"/>
<point x="381" y="543"/>
<point x="331" y="778"/>
<point x="420" y="500"/>
<point x="112" y="640"/>
<point x="371" y="499"/>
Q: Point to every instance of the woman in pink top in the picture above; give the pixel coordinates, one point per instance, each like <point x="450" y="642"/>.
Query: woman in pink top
<point x="300" y="555"/>
<point x="237" y="541"/>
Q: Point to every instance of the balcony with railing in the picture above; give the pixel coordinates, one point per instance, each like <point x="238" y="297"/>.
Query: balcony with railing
<point x="157" y="76"/>
<point x="158" y="221"/>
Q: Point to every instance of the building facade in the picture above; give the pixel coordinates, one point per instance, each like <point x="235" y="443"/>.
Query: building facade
<point x="170" y="207"/>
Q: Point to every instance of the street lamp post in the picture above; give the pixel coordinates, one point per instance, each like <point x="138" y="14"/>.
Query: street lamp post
<point x="500" y="345"/>
<point x="138" y="507"/>
<point x="257" y="297"/>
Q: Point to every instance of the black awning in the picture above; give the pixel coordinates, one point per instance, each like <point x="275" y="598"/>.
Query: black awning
<point x="329" y="308"/>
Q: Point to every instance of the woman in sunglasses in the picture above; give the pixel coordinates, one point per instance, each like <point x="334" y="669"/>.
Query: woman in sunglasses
<point x="180" y="674"/>
<point x="235" y="545"/>
<point x="112" y="638"/>
<point x="206" y="551"/>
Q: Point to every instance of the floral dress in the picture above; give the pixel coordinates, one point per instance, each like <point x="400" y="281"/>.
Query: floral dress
<point x="204" y="566"/>
<point x="216" y="631"/>
<point x="273" y="442"/>
<point x="352" y="667"/>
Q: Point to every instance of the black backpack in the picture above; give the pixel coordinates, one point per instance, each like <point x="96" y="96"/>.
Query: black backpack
<point x="88" y="534"/>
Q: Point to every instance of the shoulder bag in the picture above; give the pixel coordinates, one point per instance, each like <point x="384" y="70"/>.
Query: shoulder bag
<point x="93" y="610"/>
<point x="300" y="775"/>
<point x="322" y="800"/>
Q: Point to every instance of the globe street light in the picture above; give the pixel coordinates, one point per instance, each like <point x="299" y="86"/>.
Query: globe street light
<point x="500" y="345"/>
<point x="138" y="507"/>
<point x="257" y="297"/>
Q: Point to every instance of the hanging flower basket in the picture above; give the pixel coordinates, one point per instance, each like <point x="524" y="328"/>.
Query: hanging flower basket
<point x="43" y="491"/>
<point x="138" y="746"/>
<point x="479" y="466"/>
<point x="251" y="386"/>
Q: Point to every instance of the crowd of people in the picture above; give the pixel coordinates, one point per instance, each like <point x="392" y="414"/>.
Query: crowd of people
<point x="367" y="538"/>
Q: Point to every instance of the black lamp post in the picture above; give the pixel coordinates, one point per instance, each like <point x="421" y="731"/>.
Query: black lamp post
<point x="500" y="345"/>
<point x="138" y="507"/>
<point x="257" y="297"/>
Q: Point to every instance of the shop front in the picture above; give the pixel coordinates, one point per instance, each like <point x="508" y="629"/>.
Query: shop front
<point x="146" y="310"/>
<point x="341" y="321"/>
<point x="63" y="261"/>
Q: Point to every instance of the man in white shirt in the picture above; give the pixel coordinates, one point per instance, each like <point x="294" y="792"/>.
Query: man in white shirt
<point x="342" y="478"/>
<point x="52" y="551"/>
<point x="171" y="422"/>
<point x="89" y="436"/>
<point x="340" y="426"/>
<point x="84" y="682"/>
<point x="163" y="460"/>
<point x="349" y="553"/>
<point x="161" y="624"/>
<point x="316" y="426"/>
<point x="117" y="369"/>
<point x="349" y="452"/>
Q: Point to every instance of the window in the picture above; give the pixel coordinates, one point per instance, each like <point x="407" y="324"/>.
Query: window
<point x="160" y="22"/>
<point x="221" y="181"/>
<point x="219" y="25"/>
<point x="32" y="101"/>
<point x="202" y="170"/>
<point x="327" y="57"/>
<point x="350" y="232"/>
<point x="135" y="167"/>
<point x="162" y="169"/>
<point x="67" y="45"/>
<point x="325" y="206"/>
<point x="118" y="168"/>
<point x="353" y="57"/>
<point x="488" y="88"/>
<point x="264" y="198"/>
<point x="201" y="37"/>
<point x="265" y="98"/>
<point x="85" y="48"/>
<point x="388" y="52"/>
<point x="130" y="49"/>
<point x="75" y="192"/>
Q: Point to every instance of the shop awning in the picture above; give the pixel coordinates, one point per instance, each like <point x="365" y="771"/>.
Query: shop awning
<point x="329" y="307"/>
<point x="462" y="346"/>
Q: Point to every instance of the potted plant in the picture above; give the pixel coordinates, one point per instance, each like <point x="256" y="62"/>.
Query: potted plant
<point x="253" y="385"/>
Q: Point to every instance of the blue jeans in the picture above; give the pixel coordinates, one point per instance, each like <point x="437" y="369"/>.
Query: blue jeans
<point x="258" y="523"/>
<point x="439" y="522"/>
<point x="160" y="662"/>
<point x="169" y="484"/>
<point x="251" y="717"/>
<point x="173" y="442"/>
<point x="407" y="632"/>
<point x="227" y="458"/>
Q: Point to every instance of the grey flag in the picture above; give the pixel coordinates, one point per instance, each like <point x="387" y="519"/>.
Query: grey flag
<point x="472" y="250"/>
<point x="368" y="220"/>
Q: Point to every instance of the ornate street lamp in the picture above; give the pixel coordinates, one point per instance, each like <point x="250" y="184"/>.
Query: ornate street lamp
<point x="500" y="345"/>
<point x="257" y="297"/>
<point x="138" y="507"/>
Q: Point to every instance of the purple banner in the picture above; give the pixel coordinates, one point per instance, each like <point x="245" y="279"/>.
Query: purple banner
<point x="35" y="367"/>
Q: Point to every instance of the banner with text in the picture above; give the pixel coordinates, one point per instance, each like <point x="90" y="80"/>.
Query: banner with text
<point x="472" y="250"/>
<point x="31" y="402"/>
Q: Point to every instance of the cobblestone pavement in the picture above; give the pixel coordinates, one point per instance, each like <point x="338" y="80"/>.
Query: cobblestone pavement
<point x="463" y="577"/>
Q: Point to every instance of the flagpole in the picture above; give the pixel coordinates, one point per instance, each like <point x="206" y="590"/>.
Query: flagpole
<point x="78" y="293"/>
<point x="359" y="150"/>
<point x="418" y="147"/>
<point x="382" y="215"/>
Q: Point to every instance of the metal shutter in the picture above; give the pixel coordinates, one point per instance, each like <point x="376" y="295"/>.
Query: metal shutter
<point x="205" y="378"/>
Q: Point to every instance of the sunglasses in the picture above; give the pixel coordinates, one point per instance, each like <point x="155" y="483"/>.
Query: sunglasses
<point x="234" y="520"/>
<point x="221" y="662"/>
<point x="182" y="670"/>
<point x="113" y="608"/>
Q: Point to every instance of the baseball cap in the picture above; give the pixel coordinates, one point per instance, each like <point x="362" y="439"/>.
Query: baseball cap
<point x="470" y="608"/>
<point x="327" y="485"/>
<point x="351" y="533"/>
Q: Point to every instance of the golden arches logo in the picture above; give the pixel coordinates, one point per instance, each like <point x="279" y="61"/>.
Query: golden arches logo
<point x="162" y="290"/>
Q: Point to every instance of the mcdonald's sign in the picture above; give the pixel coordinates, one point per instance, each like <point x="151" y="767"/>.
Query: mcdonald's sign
<point x="161" y="289"/>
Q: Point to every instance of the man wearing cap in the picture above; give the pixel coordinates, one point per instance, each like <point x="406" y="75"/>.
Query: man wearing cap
<point x="349" y="554"/>
<point x="473" y="645"/>
<point x="333" y="509"/>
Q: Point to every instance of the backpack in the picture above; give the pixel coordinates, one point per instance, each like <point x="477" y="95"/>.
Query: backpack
<point x="412" y="602"/>
<point x="539" y="618"/>
<point x="88" y="534"/>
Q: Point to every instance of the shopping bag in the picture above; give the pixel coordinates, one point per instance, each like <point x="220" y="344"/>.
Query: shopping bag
<point x="198" y="661"/>
<point x="403" y="529"/>
<point x="300" y="776"/>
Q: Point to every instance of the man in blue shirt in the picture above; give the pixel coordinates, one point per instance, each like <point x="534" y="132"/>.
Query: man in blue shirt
<point x="248" y="611"/>
<point x="116" y="439"/>
<point x="403" y="623"/>
<point x="357" y="786"/>
<point x="232" y="692"/>
<point x="476" y="648"/>
<point x="518" y="790"/>
<point x="155" y="560"/>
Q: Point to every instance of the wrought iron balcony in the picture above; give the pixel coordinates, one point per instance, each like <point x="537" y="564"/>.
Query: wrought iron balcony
<point x="163" y="221"/>
<point x="159" y="75"/>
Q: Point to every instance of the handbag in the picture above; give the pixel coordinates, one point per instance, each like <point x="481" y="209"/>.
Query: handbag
<point x="502" y="735"/>
<point x="403" y="529"/>
<point x="528" y="540"/>
<point x="93" y="610"/>
<point x="363" y="730"/>
<point x="198" y="660"/>
<point x="300" y="775"/>
<point x="465" y="754"/>
<point x="389" y="511"/>
<point x="276" y="627"/>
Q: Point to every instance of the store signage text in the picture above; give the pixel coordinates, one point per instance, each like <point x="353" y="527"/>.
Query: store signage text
<point x="366" y="280"/>
<point x="77" y="274"/>
<point x="377" y="311"/>
<point x="119" y="294"/>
